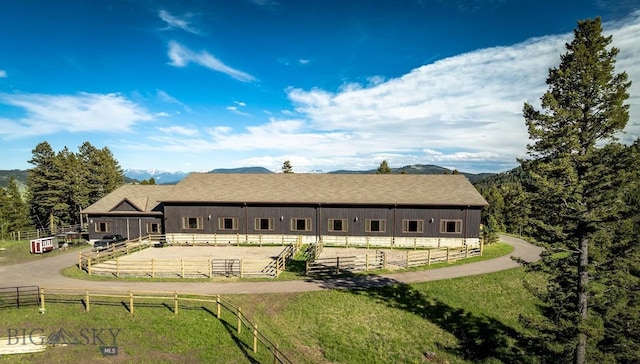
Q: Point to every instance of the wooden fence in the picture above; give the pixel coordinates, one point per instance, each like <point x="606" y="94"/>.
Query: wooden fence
<point x="351" y="264"/>
<point x="224" y="239"/>
<point x="381" y="260"/>
<point x="108" y="262"/>
<point x="177" y="300"/>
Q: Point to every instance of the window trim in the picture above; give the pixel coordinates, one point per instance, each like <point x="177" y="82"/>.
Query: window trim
<point x="107" y="227"/>
<point x="294" y="224"/>
<point x="382" y="225"/>
<point x="457" y="227"/>
<point x="222" y="225"/>
<point x="258" y="226"/>
<point x="150" y="229"/>
<point x="406" y="224"/>
<point x="199" y="223"/>
<point x="345" y="225"/>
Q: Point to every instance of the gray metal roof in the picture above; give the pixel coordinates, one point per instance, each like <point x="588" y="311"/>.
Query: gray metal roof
<point x="300" y="188"/>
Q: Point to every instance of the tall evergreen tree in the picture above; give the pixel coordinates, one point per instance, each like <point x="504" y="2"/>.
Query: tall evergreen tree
<point x="286" y="167"/>
<point x="578" y="180"/>
<point x="45" y="185"/>
<point x="383" y="168"/>
<point x="17" y="210"/>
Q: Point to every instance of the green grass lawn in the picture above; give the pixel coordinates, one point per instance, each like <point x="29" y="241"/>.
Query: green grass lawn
<point x="465" y="320"/>
<point x="14" y="252"/>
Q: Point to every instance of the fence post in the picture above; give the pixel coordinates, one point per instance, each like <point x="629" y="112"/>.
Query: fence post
<point x="153" y="268"/>
<point x="80" y="260"/>
<point x="275" y="355"/>
<point x="239" y="320"/>
<point x="210" y="269"/>
<point x="429" y="257"/>
<point x="117" y="267"/>
<point x="218" y="307"/>
<point x="89" y="265"/>
<point x="182" y="267"/>
<point x="366" y="263"/>
<point x="306" y="267"/>
<point x="42" y="299"/>
<point x="466" y="254"/>
<point x="337" y="265"/>
<point x="175" y="302"/>
<point x="241" y="268"/>
<point x="131" y="302"/>
<point x="481" y="246"/>
<point x="384" y="261"/>
<point x="86" y="299"/>
<point x="255" y="338"/>
<point x="407" y="259"/>
<point x="447" y="254"/>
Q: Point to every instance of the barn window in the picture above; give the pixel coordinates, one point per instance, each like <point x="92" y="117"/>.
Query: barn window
<point x="300" y="224"/>
<point x="451" y="226"/>
<point x="228" y="223"/>
<point x="102" y="227"/>
<point x="412" y="226"/>
<point x="338" y="225"/>
<point x="192" y="223"/>
<point x="374" y="226"/>
<point x="264" y="223"/>
<point x="153" y="228"/>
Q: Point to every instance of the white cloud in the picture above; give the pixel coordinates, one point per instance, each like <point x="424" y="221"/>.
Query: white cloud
<point x="462" y="112"/>
<point x="179" y="131"/>
<point x="176" y="22"/>
<point x="461" y="109"/>
<point x="181" y="56"/>
<point x="3" y="74"/>
<point x="84" y="112"/>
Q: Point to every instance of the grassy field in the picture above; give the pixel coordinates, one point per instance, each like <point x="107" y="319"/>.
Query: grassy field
<point x="472" y="319"/>
<point x="13" y="252"/>
<point x="466" y="320"/>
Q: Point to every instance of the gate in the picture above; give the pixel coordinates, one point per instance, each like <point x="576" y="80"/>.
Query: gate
<point x="19" y="296"/>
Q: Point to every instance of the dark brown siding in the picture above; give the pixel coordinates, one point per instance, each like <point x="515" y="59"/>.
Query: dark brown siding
<point x="356" y="217"/>
<point x="131" y="227"/>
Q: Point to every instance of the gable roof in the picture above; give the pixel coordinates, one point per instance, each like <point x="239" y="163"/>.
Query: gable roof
<point x="401" y="189"/>
<point x="143" y="198"/>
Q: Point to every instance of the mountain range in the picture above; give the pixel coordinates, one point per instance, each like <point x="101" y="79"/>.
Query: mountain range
<point x="165" y="177"/>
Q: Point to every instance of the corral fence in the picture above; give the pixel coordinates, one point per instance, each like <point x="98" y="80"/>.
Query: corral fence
<point x="43" y="233"/>
<point x="109" y="262"/>
<point x="175" y="302"/>
<point x="19" y="296"/>
<point x="381" y="260"/>
<point x="182" y="239"/>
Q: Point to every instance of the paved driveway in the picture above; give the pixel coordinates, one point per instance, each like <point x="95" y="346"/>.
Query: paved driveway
<point x="46" y="273"/>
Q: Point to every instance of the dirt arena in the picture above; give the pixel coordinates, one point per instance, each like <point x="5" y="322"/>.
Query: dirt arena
<point x="205" y="252"/>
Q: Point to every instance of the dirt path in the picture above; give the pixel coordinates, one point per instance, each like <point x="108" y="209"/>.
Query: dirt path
<point x="46" y="273"/>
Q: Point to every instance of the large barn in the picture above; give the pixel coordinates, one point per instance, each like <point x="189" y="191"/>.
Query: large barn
<point x="397" y="209"/>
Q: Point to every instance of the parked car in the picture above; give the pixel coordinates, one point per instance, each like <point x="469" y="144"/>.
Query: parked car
<point x="109" y="241"/>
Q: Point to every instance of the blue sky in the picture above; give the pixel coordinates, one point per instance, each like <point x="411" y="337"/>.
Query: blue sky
<point x="327" y="84"/>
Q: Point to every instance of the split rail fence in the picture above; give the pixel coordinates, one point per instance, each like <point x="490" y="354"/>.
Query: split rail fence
<point x="178" y="300"/>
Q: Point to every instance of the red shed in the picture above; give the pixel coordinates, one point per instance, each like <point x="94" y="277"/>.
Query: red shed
<point x="42" y="245"/>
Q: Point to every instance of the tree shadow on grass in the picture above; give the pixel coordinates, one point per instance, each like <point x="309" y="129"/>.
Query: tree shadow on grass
<point x="232" y="331"/>
<point x="480" y="338"/>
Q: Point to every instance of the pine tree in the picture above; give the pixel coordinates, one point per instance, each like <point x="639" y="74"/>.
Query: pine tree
<point x="383" y="168"/>
<point x="579" y="182"/>
<point x="286" y="167"/>
<point x="45" y="185"/>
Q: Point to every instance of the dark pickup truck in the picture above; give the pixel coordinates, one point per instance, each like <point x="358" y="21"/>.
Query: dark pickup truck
<point x="109" y="241"/>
